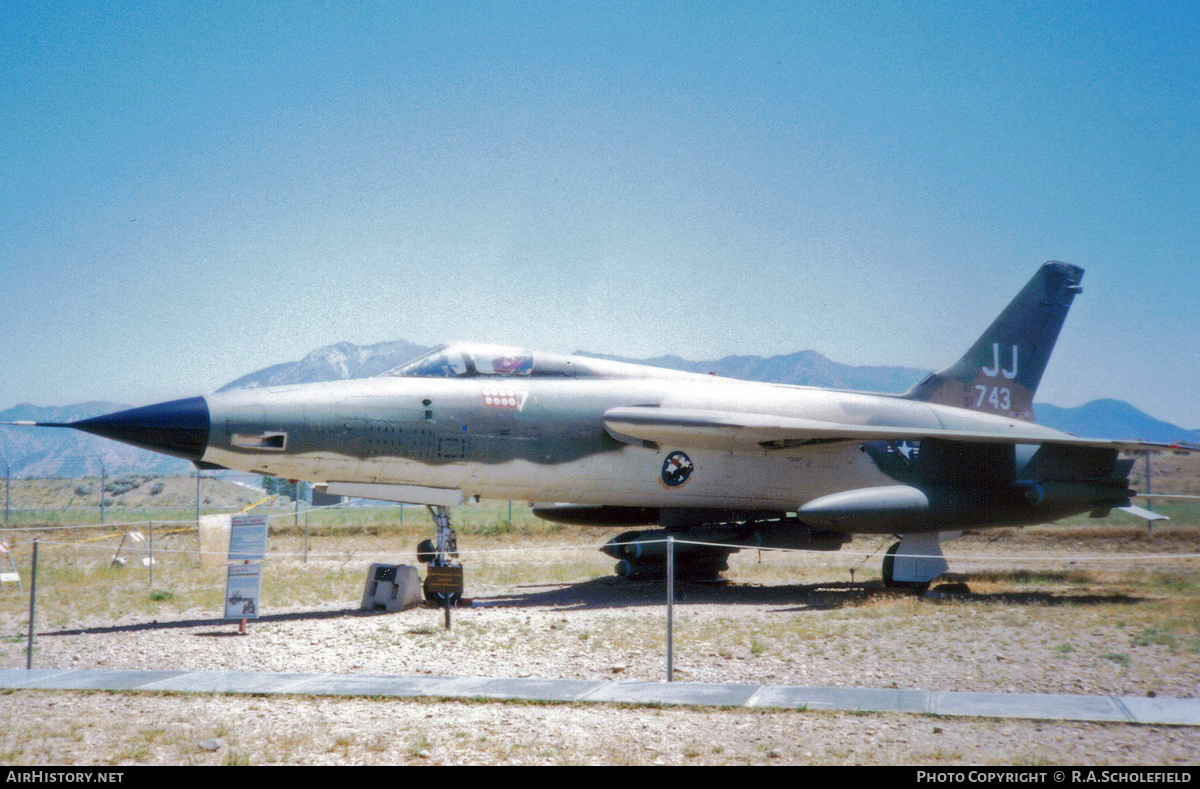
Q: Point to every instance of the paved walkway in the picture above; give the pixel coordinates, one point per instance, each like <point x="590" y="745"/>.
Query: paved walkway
<point x="1123" y="709"/>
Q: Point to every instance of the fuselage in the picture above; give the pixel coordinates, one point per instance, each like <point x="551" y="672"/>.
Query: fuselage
<point x="534" y="438"/>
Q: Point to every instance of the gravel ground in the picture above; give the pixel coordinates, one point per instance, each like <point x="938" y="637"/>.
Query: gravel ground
<point x="1074" y="638"/>
<point x="781" y="635"/>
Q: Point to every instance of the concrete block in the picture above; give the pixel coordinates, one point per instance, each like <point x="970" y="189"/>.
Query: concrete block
<point x="369" y="685"/>
<point x="527" y="688"/>
<point x="22" y="678"/>
<point x="850" y="699"/>
<point x="102" y="679"/>
<point x="1043" y="706"/>
<point x="682" y="693"/>
<point x="392" y="587"/>
<point x="1178" y="712"/>
<point x="229" y="682"/>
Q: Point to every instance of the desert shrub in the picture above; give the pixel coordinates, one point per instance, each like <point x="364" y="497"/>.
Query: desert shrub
<point x="123" y="484"/>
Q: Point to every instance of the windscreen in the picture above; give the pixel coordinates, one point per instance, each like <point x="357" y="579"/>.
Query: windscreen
<point x="439" y="363"/>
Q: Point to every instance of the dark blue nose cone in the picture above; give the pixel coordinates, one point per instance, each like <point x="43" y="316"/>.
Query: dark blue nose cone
<point x="178" y="427"/>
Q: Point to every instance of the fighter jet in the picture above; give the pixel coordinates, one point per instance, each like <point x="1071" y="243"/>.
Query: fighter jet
<point x="704" y="458"/>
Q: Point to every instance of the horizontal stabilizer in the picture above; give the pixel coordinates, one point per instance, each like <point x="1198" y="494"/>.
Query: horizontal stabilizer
<point x="1142" y="513"/>
<point x="736" y="431"/>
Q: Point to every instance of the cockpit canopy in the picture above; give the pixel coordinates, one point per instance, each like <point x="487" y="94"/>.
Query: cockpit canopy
<point x="469" y="360"/>
<point x="477" y="360"/>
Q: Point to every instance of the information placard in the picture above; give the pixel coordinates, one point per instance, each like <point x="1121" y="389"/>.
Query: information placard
<point x="444" y="580"/>
<point x="247" y="538"/>
<point x="242" y="587"/>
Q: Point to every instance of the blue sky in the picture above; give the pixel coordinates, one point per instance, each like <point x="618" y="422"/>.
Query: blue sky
<point x="189" y="193"/>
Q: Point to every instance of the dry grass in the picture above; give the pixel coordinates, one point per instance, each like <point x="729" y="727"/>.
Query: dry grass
<point x="501" y="557"/>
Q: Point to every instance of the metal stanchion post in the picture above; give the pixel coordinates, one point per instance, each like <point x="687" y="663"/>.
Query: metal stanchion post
<point x="1149" y="501"/>
<point x="32" y="601"/>
<point x="670" y="609"/>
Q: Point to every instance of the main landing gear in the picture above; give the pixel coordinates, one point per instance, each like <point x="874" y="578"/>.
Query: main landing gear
<point x="889" y="574"/>
<point x="915" y="561"/>
<point x="441" y="560"/>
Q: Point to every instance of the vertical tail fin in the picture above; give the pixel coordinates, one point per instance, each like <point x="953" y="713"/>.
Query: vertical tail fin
<point x="1001" y="371"/>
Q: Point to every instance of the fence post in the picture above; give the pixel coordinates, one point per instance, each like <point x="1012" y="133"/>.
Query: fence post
<point x="151" y="551"/>
<point x="32" y="600"/>
<point x="1149" y="502"/>
<point x="102" y="480"/>
<point x="670" y="608"/>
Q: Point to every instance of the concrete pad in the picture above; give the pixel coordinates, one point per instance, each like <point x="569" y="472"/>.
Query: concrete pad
<point x="689" y="693"/>
<point x="229" y="682"/>
<point x="529" y="689"/>
<point x="99" y="679"/>
<point x="1179" y="712"/>
<point x="1043" y="706"/>
<point x="20" y="678"/>
<point x="367" y="685"/>
<point x="847" y="699"/>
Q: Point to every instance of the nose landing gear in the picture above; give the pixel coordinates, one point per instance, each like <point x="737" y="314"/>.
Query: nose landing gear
<point x="444" y="573"/>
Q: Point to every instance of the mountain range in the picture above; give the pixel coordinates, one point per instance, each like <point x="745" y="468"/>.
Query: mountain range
<point x="68" y="453"/>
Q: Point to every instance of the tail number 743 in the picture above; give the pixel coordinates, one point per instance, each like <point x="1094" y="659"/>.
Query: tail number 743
<point x="998" y="397"/>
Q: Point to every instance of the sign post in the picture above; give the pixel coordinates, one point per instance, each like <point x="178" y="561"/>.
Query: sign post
<point x="447" y="582"/>
<point x="32" y="602"/>
<point x="670" y="608"/>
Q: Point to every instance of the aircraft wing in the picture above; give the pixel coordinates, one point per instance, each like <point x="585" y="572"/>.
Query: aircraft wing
<point x="735" y="431"/>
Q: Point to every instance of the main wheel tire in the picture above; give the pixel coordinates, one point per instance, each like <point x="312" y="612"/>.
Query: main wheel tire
<point x="889" y="564"/>
<point x="426" y="552"/>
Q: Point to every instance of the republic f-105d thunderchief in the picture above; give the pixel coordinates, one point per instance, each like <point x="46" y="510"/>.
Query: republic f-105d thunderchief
<point x="705" y="458"/>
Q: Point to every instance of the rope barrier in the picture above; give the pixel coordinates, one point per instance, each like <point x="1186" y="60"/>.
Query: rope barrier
<point x="1127" y="558"/>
